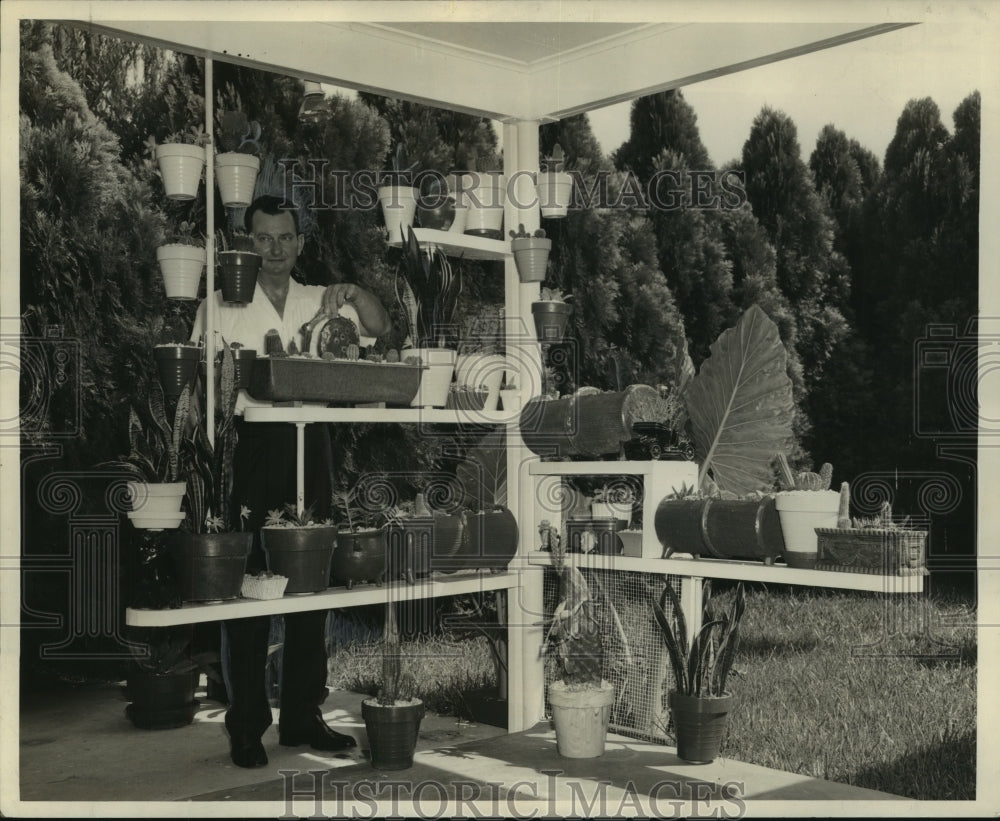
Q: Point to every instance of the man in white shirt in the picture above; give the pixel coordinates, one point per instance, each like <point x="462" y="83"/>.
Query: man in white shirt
<point x="264" y="479"/>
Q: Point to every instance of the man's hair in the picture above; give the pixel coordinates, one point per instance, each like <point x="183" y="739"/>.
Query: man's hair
<point x="274" y="206"/>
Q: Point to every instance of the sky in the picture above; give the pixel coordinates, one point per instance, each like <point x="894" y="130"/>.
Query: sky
<point x="861" y="88"/>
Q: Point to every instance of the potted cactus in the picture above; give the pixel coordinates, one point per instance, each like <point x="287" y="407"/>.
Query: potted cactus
<point x="551" y="312"/>
<point x="392" y="718"/>
<point x="554" y="186"/>
<point x="398" y="197"/>
<point x="531" y="253"/>
<point x="299" y="547"/>
<point x="237" y="166"/>
<point x="181" y="262"/>
<point x="238" y="266"/>
<point x="181" y="159"/>
<point x="805" y="503"/>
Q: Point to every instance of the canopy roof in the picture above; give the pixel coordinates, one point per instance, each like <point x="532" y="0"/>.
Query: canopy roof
<point x="542" y="70"/>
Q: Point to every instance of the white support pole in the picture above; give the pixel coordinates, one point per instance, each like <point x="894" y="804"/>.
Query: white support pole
<point x="692" y="601"/>
<point x="300" y="467"/>
<point x="209" y="258"/>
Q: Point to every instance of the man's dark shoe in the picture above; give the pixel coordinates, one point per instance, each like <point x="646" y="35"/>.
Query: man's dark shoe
<point x="247" y="751"/>
<point x="314" y="732"/>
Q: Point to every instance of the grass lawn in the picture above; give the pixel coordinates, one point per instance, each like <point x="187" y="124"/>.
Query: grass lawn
<point x="852" y="687"/>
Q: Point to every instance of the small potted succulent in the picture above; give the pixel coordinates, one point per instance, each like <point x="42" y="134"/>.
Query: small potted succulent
<point x="805" y="503"/>
<point x="392" y="718"/>
<point x="181" y="160"/>
<point x="551" y="312"/>
<point x="554" y="186"/>
<point x="181" y="262"/>
<point x="237" y="165"/>
<point x="398" y="197"/>
<point x="361" y="546"/>
<point x="531" y="253"/>
<point x="299" y="547"/>
<point x="238" y="266"/>
<point x="580" y="698"/>
<point x="699" y="701"/>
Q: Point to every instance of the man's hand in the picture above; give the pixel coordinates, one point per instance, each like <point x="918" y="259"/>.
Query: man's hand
<point x="370" y="311"/>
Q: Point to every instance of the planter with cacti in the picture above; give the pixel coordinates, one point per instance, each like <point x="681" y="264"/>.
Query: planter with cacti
<point x="805" y="504"/>
<point x="299" y="548"/>
<point x="531" y="253"/>
<point x="554" y="186"/>
<point x="237" y="166"/>
<point x="551" y="312"/>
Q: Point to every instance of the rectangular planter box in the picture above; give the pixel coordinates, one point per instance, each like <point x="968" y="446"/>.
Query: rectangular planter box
<point x="288" y="379"/>
<point x="889" y="551"/>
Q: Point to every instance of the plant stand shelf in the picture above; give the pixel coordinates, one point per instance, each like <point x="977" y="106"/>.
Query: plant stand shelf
<point x="462" y="246"/>
<point x="454" y="584"/>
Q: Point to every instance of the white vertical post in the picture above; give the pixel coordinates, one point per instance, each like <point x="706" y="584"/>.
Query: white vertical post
<point x="692" y="601"/>
<point x="209" y="258"/>
<point x="300" y="467"/>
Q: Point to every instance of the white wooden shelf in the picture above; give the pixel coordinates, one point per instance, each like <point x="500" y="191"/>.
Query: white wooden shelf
<point x="423" y="588"/>
<point x="463" y="246"/>
<point x="305" y="413"/>
<point x="741" y="571"/>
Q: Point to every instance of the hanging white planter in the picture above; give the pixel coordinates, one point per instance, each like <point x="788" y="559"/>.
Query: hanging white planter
<point x="181" y="266"/>
<point x="485" y="200"/>
<point x="482" y="370"/>
<point x="156" y="506"/>
<point x="236" y="175"/>
<point x="555" y="193"/>
<point x="399" y="206"/>
<point x="180" y="167"/>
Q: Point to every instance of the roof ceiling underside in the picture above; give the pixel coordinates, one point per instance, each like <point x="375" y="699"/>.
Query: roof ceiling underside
<point x="506" y="71"/>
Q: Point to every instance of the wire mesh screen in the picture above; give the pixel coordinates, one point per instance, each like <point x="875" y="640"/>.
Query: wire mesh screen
<point x="635" y="657"/>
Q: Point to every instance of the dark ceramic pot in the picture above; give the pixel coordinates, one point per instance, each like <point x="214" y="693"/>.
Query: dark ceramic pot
<point x="161" y="701"/>
<point x="238" y="275"/>
<point x="489" y="540"/>
<point x="177" y="366"/>
<point x="392" y="732"/>
<point x="699" y="725"/>
<point x="358" y="557"/>
<point x="210" y="566"/>
<point x="303" y="554"/>
<point x="551" y="319"/>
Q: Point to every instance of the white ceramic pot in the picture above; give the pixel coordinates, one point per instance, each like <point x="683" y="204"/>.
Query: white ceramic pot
<point x="479" y="370"/>
<point x="435" y="381"/>
<point x="236" y="176"/>
<point x="399" y="206"/>
<point x="485" y="201"/>
<point x="180" y="167"/>
<point x="156" y="506"/>
<point x="181" y="266"/>
<point x="801" y="512"/>
<point x="510" y="399"/>
<point x="581" y="718"/>
<point x="555" y="193"/>
<point x="612" y="510"/>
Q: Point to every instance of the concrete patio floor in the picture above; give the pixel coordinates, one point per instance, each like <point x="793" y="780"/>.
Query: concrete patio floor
<point x="76" y="745"/>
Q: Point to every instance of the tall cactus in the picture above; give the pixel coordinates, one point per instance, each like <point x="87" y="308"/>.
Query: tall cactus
<point x="391" y="660"/>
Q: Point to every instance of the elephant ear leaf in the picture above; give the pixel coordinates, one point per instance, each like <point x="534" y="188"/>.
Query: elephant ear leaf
<point x="740" y="405"/>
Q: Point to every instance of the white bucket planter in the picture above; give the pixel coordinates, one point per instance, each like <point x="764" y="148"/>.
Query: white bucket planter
<point x="581" y="718"/>
<point x="432" y="392"/>
<point x="801" y="512"/>
<point x="612" y="510"/>
<point x="236" y="175"/>
<point x="399" y="206"/>
<point x="481" y="370"/>
<point x="181" y="266"/>
<point x="180" y="166"/>
<point x="156" y="506"/>
<point x="460" y="221"/>
<point x="510" y="399"/>
<point x="555" y="193"/>
<point x="486" y="201"/>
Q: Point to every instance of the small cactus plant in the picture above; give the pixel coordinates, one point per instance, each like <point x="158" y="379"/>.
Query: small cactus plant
<point x="521" y="233"/>
<point x="806" y="480"/>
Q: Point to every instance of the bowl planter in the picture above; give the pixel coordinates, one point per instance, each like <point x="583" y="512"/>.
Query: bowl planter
<point x="238" y="275"/>
<point x="181" y="266"/>
<point x="399" y="207"/>
<point x="177" y="366"/>
<point x="485" y="200"/>
<point x="358" y="557"/>
<point x="699" y="725"/>
<point x="236" y="175"/>
<point x="801" y="512"/>
<point x="180" y="167"/>
<point x="210" y="566"/>
<point x="551" y="318"/>
<point x="161" y="701"/>
<point x="581" y="716"/>
<point x="435" y="380"/>
<point x="392" y="731"/>
<point x="531" y="256"/>
<point x="303" y="554"/>
<point x="489" y="540"/>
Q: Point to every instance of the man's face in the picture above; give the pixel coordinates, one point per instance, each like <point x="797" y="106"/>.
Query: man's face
<point x="274" y="238"/>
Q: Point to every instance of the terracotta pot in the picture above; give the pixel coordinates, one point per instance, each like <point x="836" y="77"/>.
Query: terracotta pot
<point x="392" y="732"/>
<point x="551" y="319"/>
<point x="699" y="725"/>
<point x="801" y="512"/>
<point x="531" y="256"/>
<point x="177" y="365"/>
<point x="302" y="554"/>
<point x="210" y="566"/>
